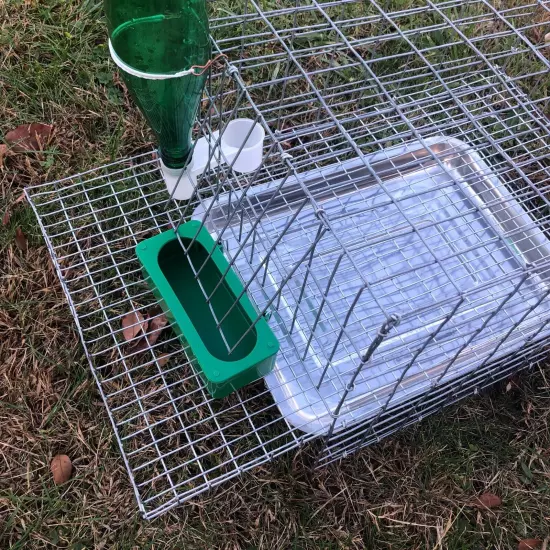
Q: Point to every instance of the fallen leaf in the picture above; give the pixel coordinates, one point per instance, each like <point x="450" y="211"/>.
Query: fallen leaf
<point x="163" y="359"/>
<point x="22" y="197"/>
<point x="61" y="468"/>
<point x="29" y="137"/>
<point x="156" y="324"/>
<point x="21" y="240"/>
<point x="486" y="500"/>
<point x="529" y="544"/>
<point x="133" y="323"/>
<point x="3" y="152"/>
<point x="7" y="217"/>
<point x="140" y="345"/>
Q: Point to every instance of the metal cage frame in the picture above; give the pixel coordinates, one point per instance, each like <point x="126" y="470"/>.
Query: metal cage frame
<point x="406" y="145"/>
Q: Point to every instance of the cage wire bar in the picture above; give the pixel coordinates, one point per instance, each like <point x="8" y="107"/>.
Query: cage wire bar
<point x="395" y="235"/>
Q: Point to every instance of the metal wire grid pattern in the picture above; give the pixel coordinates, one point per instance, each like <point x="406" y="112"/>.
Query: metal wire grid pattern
<point x="318" y="111"/>
<point x="391" y="286"/>
<point x="173" y="439"/>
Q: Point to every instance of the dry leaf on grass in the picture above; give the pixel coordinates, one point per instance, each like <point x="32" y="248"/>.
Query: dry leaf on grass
<point x="132" y="324"/>
<point x="486" y="500"/>
<point x="529" y="544"/>
<point x="61" y="468"/>
<point x="7" y="217"/>
<point x="21" y="240"/>
<point x="163" y="359"/>
<point x="156" y="325"/>
<point x="3" y="152"/>
<point x="29" y="137"/>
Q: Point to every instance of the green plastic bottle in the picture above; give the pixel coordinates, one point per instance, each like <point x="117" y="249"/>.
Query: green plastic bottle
<point x="152" y="41"/>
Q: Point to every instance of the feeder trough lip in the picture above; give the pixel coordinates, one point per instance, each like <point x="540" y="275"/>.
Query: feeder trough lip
<point x="224" y="358"/>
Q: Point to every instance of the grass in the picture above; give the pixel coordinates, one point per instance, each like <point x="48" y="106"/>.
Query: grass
<point x="410" y="491"/>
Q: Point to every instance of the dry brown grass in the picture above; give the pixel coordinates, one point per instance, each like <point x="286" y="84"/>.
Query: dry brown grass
<point x="409" y="492"/>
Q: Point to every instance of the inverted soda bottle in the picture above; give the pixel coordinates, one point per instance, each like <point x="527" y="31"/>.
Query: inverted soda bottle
<point x="153" y="40"/>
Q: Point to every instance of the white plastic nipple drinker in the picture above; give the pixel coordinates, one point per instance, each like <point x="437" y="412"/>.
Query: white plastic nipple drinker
<point x="183" y="182"/>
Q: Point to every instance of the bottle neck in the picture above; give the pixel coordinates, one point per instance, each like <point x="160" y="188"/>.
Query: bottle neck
<point x="172" y="160"/>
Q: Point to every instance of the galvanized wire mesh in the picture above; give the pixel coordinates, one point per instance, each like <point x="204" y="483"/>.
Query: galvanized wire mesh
<point x="395" y="234"/>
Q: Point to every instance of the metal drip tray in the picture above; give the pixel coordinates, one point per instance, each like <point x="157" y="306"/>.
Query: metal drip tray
<point x="425" y="231"/>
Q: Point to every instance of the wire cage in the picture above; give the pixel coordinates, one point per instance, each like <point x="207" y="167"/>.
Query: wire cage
<point x="395" y="237"/>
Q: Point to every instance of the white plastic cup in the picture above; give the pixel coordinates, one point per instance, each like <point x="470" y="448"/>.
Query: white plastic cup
<point x="250" y="157"/>
<point x="178" y="183"/>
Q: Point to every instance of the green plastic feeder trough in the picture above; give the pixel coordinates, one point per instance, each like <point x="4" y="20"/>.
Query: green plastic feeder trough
<point x="171" y="275"/>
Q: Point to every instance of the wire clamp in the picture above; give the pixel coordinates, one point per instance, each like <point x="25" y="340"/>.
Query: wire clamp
<point x="231" y="69"/>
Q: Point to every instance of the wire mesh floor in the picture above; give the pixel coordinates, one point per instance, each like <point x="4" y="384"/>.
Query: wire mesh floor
<point x="176" y="441"/>
<point x="331" y="82"/>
